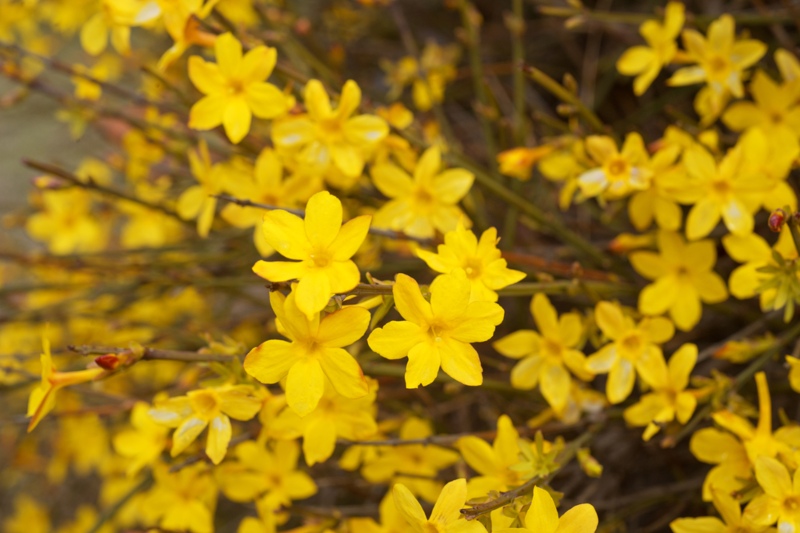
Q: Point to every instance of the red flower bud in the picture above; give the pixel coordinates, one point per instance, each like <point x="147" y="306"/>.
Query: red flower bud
<point x="108" y="361"/>
<point x="776" y="220"/>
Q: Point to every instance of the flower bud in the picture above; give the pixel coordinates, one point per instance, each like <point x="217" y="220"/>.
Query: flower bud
<point x="107" y="362"/>
<point x="776" y="220"/>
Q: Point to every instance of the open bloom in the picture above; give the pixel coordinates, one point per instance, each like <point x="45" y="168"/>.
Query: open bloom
<point x="437" y="333"/>
<point x="315" y="351"/>
<point x="727" y="190"/>
<point x="424" y="203"/>
<point x="199" y="201"/>
<point x="234" y="88"/>
<point x="210" y="407"/>
<point x="632" y="346"/>
<point x="417" y="466"/>
<point x="542" y="517"/>
<point x="267" y="474"/>
<point x="493" y="462"/>
<point x="621" y="172"/>
<point x="720" y="60"/>
<point x="781" y="499"/>
<point x="546" y="356"/>
<point x="266" y="185"/>
<point x="43" y="396"/>
<point x="481" y="260"/>
<point x="645" y="62"/>
<point x="445" y="517"/>
<point x="322" y="248"/>
<point x="669" y="398"/>
<point x="326" y="138"/>
<point x="683" y="277"/>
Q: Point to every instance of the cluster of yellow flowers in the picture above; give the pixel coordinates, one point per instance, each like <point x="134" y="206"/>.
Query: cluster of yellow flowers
<point x="375" y="232"/>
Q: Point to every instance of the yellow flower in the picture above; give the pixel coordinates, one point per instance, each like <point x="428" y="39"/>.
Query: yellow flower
<point x="720" y="59"/>
<point x="748" y="280"/>
<point x="315" y="351"/>
<point x="267" y="475"/>
<point x="794" y="372"/>
<point x="546" y="356"/>
<point x="565" y="165"/>
<point x="182" y="500"/>
<point x="29" y="516"/>
<point x="322" y="247"/>
<point x="417" y="466"/>
<point x="480" y="259"/>
<point x="234" y="88"/>
<point x="67" y="222"/>
<point x="735" y="451"/>
<point x="683" y="277"/>
<point x="391" y="520"/>
<point x="266" y="185"/>
<point x="723" y="190"/>
<point x="445" y="517"/>
<point x="774" y="106"/>
<point x="658" y="201"/>
<point x="198" y="201"/>
<point x="730" y="511"/>
<point x="542" y="517"/>
<point x="325" y="137"/>
<point x="115" y="17"/>
<point x="632" y="347"/>
<point x="620" y="172"/>
<point x="210" y="407"/>
<point x="669" y="399"/>
<point x="335" y="416"/>
<point x="43" y="396"/>
<point x="437" y="333"/>
<point x="645" y="62"/>
<point x="143" y="443"/>
<point x="424" y="203"/>
<point x="494" y="463"/>
<point x="518" y="162"/>
<point x="781" y="499"/>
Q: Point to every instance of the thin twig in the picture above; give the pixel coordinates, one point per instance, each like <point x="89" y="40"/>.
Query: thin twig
<point x="152" y="354"/>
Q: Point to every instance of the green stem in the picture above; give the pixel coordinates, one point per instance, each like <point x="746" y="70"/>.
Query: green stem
<point x="469" y="19"/>
<point x="555" y="88"/>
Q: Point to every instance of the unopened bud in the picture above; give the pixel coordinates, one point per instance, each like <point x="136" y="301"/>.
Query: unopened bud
<point x="776" y="220"/>
<point x="108" y="361"/>
<point x="50" y="182"/>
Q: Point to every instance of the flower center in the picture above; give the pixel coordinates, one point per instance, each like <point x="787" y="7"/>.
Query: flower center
<point x="321" y="258"/>
<point x="204" y="403"/>
<point x="329" y="130"/>
<point x="473" y="268"/>
<point x="632" y="343"/>
<point x="718" y="65"/>
<point x="792" y="503"/>
<point x="617" y="169"/>
<point x="430" y="527"/>
<point x="235" y="87"/>
<point x="552" y="348"/>
<point x="423" y="196"/>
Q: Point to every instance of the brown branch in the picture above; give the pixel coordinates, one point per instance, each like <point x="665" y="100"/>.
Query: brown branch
<point x="509" y="496"/>
<point x="92" y="185"/>
<point x="152" y="354"/>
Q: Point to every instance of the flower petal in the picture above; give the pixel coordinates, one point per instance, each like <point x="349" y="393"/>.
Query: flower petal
<point x="219" y="436"/>
<point x="460" y="361"/>
<point x="395" y="339"/>
<point x="409" y="301"/>
<point x="304" y="386"/>
<point x="270" y="361"/>
<point x="344" y="373"/>
<point x="323" y="219"/>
